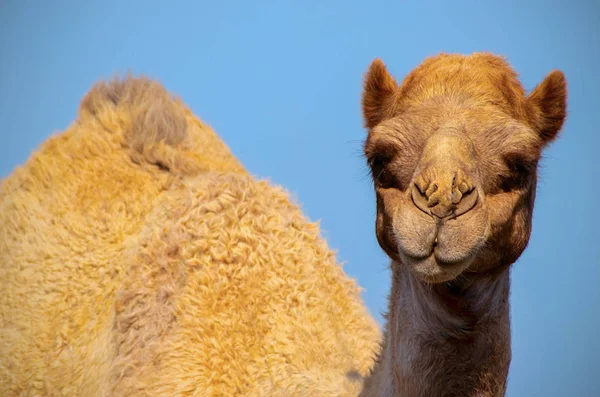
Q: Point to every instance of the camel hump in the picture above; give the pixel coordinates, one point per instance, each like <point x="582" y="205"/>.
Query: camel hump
<point x="140" y="116"/>
<point x="151" y="123"/>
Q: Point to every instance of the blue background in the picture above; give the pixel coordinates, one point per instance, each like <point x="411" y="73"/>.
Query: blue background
<point x="281" y="83"/>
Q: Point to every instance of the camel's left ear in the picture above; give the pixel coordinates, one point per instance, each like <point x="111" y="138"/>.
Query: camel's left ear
<point x="548" y="102"/>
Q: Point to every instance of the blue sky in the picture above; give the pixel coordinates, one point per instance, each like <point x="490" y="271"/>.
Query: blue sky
<point x="280" y="81"/>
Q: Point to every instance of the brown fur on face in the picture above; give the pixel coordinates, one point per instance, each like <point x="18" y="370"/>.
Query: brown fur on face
<point x="454" y="152"/>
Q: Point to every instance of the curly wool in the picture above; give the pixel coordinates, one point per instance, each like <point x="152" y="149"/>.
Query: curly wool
<point x="138" y="257"/>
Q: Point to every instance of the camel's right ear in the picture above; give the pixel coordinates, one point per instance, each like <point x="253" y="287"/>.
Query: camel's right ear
<point x="379" y="95"/>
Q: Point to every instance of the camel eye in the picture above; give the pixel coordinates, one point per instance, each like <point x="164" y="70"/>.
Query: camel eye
<point x="381" y="175"/>
<point x="519" y="173"/>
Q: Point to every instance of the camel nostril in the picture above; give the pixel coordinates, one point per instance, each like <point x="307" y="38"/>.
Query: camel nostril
<point x="467" y="202"/>
<point x="442" y="206"/>
<point x="420" y="199"/>
<point x="422" y="185"/>
<point x="443" y="201"/>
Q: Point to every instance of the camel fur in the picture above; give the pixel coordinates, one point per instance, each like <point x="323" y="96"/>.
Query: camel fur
<point x="139" y="258"/>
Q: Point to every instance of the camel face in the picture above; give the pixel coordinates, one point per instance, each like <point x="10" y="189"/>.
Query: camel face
<point x="453" y="153"/>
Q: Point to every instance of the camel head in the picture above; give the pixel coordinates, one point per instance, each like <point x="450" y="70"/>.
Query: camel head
<point x="453" y="152"/>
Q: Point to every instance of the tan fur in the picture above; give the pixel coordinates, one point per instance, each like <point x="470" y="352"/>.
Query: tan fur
<point x="454" y="152"/>
<point x="139" y="258"/>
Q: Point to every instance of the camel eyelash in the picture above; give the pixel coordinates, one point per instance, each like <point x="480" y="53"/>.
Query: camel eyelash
<point x="378" y="163"/>
<point x="519" y="165"/>
<point x="381" y="176"/>
<point x="519" y="171"/>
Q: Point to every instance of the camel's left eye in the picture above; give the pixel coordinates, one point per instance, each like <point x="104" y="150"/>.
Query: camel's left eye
<point x="519" y="172"/>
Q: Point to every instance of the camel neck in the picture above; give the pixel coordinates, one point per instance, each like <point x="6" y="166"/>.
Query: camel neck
<point x="449" y="339"/>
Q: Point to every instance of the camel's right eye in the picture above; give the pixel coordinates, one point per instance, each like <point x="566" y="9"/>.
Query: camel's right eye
<point x="381" y="175"/>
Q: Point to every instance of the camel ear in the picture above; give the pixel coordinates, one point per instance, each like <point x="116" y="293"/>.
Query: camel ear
<point x="549" y="103"/>
<point x="379" y="95"/>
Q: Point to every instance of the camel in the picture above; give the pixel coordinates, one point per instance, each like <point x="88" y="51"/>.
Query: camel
<point x="453" y="152"/>
<point x="139" y="258"/>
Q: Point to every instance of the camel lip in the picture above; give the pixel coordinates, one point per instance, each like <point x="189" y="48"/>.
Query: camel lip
<point x="417" y="258"/>
<point x="434" y="253"/>
<point x="415" y="255"/>
<point x="432" y="269"/>
<point x="445" y="262"/>
<point x="442" y="263"/>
